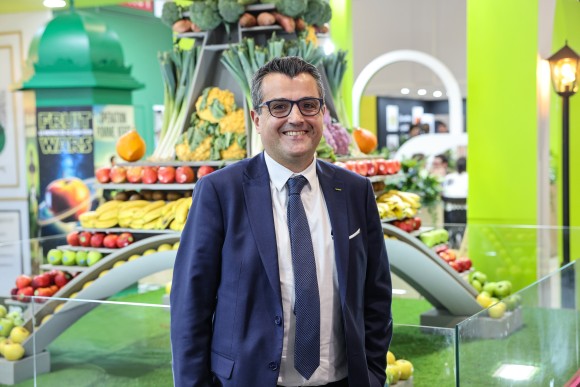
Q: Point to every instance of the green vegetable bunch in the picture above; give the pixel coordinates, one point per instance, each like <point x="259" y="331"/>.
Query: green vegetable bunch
<point x="292" y="8"/>
<point x="335" y="67"/>
<point x="230" y="10"/>
<point x="205" y="14"/>
<point x="171" y="13"/>
<point x="318" y="12"/>
<point x="418" y="179"/>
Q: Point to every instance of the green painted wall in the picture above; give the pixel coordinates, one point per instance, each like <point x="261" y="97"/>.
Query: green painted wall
<point x="142" y="36"/>
<point x="341" y="33"/>
<point x="567" y="27"/>
<point x="502" y="120"/>
<point x="368" y="112"/>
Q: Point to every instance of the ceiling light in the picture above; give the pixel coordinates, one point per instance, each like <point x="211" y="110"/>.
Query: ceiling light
<point x="421" y="91"/>
<point x="437" y="93"/>
<point x="404" y="90"/>
<point x="515" y="372"/>
<point x="54" y="3"/>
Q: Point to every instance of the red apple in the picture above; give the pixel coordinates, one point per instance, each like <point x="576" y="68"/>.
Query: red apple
<point x="42" y="292"/>
<point x="68" y="195"/>
<point x="118" y="174"/>
<point x="204" y="170"/>
<point x="362" y="168"/>
<point x="97" y="239"/>
<point x="149" y="175"/>
<point x="110" y="241"/>
<point x="24" y="294"/>
<point x="72" y="238"/>
<point x="62" y="278"/>
<point x="391" y="167"/>
<point x="14" y="294"/>
<point x="134" y="174"/>
<point x="41" y="281"/>
<point x="103" y="175"/>
<point x="184" y="175"/>
<point x="381" y="167"/>
<point x="125" y="239"/>
<point x="166" y="175"/>
<point x="455" y="266"/>
<point x="85" y="238"/>
<point x="23" y="281"/>
<point x="351" y="165"/>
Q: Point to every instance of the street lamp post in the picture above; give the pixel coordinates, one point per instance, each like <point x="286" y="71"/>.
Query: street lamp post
<point x="564" y="68"/>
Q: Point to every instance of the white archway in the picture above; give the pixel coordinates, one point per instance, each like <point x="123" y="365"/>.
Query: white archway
<point x="449" y="81"/>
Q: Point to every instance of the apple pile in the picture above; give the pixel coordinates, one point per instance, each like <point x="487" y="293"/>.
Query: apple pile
<point x="41" y="285"/>
<point x="12" y="334"/>
<point x="136" y="174"/>
<point x="72" y="258"/>
<point x="409" y="224"/>
<point x="371" y="167"/>
<point x="99" y="239"/>
<point x="497" y="296"/>
<point x="460" y="264"/>
<point x="397" y="370"/>
<point x="434" y="237"/>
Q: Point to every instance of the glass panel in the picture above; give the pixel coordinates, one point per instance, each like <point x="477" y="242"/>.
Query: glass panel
<point x="100" y="342"/>
<point x="535" y="344"/>
<point x="431" y="352"/>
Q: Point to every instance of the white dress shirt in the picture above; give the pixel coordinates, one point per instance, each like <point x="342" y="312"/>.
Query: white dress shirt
<point x="333" y="364"/>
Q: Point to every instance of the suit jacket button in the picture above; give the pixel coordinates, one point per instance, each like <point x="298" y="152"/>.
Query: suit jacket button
<point x="273" y="365"/>
<point x="278" y="320"/>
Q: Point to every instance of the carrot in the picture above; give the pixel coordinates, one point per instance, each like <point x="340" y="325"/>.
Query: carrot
<point x="181" y="26"/>
<point x="300" y="24"/>
<point x="286" y="22"/>
<point x="266" y="19"/>
<point x="248" y="20"/>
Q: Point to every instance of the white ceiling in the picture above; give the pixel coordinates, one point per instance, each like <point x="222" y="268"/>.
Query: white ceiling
<point x="435" y="27"/>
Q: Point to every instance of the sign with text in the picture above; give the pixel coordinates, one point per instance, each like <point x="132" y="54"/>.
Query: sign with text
<point x="109" y="123"/>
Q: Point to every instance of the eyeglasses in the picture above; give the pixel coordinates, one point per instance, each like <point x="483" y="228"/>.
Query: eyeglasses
<point x="281" y="108"/>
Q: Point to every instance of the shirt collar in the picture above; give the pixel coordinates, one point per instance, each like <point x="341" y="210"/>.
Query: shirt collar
<point x="279" y="174"/>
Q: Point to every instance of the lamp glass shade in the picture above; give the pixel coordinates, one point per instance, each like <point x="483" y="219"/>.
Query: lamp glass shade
<point x="565" y="70"/>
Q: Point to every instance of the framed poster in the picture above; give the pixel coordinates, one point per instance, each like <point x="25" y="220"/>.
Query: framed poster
<point x="11" y="131"/>
<point x="14" y="243"/>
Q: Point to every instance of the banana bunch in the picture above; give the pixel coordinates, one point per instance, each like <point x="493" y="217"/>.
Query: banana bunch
<point x="398" y="204"/>
<point x="181" y="211"/>
<point x="105" y="216"/>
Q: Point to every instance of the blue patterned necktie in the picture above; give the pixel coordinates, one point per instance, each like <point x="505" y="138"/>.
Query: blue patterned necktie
<point x="307" y="304"/>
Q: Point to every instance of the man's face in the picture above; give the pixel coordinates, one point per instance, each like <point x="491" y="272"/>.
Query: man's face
<point x="292" y="140"/>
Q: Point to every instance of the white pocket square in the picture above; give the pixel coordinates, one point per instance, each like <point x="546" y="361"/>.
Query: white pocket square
<point x="355" y="234"/>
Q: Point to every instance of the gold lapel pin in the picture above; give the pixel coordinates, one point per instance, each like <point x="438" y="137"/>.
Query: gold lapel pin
<point x="338" y="189"/>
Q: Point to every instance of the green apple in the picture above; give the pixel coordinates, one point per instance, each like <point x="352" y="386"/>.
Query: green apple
<point x="497" y="310"/>
<point x="176" y="245"/>
<point x="3" y="311"/>
<point x="18" y="321"/>
<point x="69" y="258"/>
<point x="503" y="289"/>
<point x="484" y="299"/>
<point x="510" y="302"/>
<point x="479" y="276"/>
<point x="6" y="326"/>
<point x="54" y="256"/>
<point x="93" y="257"/>
<point x="2" y="343"/>
<point x="19" y="334"/>
<point x="395" y="371"/>
<point x="14" y="315"/>
<point x="491" y="288"/>
<point x="477" y="285"/>
<point x="13" y="351"/>
<point x="81" y="257"/>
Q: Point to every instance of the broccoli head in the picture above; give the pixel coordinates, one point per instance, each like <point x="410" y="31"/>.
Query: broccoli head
<point x="205" y="14"/>
<point x="230" y="10"/>
<point x="318" y="12"/>
<point x="292" y="8"/>
<point x="171" y="13"/>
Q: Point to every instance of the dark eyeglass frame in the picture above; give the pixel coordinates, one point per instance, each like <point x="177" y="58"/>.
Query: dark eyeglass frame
<point x="292" y="103"/>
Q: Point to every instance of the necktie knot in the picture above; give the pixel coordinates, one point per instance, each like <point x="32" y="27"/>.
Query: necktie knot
<point x="295" y="184"/>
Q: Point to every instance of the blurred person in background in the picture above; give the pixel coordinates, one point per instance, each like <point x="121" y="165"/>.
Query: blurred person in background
<point x="454" y="196"/>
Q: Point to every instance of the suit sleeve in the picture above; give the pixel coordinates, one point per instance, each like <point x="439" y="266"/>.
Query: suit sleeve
<point x="196" y="277"/>
<point x="378" y="295"/>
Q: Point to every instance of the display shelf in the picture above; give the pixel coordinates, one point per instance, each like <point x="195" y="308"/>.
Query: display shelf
<point x="273" y="27"/>
<point x="192" y="35"/>
<point x="74" y="268"/>
<point x="217" y="47"/>
<point x="131" y="230"/>
<point x="177" y="163"/>
<point x="388" y="220"/>
<point x="12" y="302"/>
<point x="138" y="186"/>
<point x="103" y="250"/>
<point x="380" y="178"/>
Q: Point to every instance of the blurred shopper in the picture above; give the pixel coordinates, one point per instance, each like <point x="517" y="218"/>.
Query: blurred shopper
<point x="455" y="201"/>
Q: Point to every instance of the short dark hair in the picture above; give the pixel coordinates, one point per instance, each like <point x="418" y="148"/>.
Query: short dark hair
<point x="443" y="158"/>
<point x="290" y="66"/>
<point x="461" y="164"/>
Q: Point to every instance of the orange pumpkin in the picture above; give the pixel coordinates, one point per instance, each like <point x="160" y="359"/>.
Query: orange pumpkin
<point x="131" y="146"/>
<point x="365" y="139"/>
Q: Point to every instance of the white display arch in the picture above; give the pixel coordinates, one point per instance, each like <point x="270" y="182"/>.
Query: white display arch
<point x="449" y="81"/>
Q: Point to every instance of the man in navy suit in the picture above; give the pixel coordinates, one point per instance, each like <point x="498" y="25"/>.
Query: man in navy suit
<point x="235" y="292"/>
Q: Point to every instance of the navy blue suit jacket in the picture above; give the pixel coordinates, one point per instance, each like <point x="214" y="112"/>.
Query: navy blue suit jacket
<point x="226" y="307"/>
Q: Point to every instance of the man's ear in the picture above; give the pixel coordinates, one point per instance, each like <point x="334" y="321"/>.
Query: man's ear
<point x="323" y="109"/>
<point x="255" y="119"/>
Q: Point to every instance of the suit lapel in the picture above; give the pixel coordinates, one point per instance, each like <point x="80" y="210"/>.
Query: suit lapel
<point x="258" y="200"/>
<point x="335" y="196"/>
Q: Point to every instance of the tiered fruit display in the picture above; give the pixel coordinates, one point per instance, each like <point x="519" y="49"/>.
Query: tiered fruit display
<point x="398" y="205"/>
<point x="136" y="174"/>
<point x="139" y="215"/>
<point x="459" y="264"/>
<point x="398" y="370"/>
<point x="41" y="285"/>
<point x="497" y="296"/>
<point x="372" y="167"/>
<point x="99" y="239"/>
<point x="12" y="334"/>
